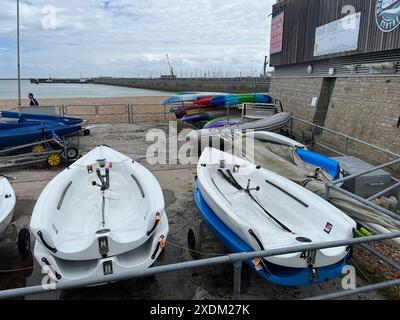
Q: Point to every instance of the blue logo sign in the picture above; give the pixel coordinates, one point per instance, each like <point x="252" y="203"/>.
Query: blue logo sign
<point x="388" y="14"/>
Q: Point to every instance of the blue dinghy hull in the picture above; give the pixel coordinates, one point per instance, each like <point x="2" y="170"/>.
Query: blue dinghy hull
<point x="30" y="134"/>
<point x="40" y="117"/>
<point x="277" y="274"/>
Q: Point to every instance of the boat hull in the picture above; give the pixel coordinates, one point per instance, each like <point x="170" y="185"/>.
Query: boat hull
<point x="33" y="133"/>
<point x="7" y="203"/>
<point x="277" y="213"/>
<point x="135" y="260"/>
<point x="273" y="123"/>
<point x="78" y="217"/>
<point x="276" y="274"/>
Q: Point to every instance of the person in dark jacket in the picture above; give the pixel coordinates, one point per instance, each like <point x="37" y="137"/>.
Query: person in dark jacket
<point x="33" y="101"/>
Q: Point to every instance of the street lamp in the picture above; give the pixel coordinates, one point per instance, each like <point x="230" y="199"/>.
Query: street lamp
<point x="18" y="61"/>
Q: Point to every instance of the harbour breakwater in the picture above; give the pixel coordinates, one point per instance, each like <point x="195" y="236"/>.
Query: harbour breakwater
<point x="233" y="85"/>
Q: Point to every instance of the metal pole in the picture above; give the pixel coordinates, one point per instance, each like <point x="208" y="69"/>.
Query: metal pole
<point x="366" y="202"/>
<point x="329" y="148"/>
<point x="346" y="146"/>
<point x="18" y="62"/>
<point x="237" y="279"/>
<point x="129" y="112"/>
<point x="381" y="193"/>
<point x="350" y="138"/>
<point x="353" y="292"/>
<point x="231" y="258"/>
<point x="356" y="175"/>
<point x="381" y="256"/>
<point x="327" y="192"/>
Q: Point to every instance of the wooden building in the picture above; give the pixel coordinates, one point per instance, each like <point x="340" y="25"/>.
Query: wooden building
<point x="337" y="37"/>
<point x="337" y="64"/>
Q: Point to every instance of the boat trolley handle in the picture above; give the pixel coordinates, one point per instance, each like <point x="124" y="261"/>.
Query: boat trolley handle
<point x="40" y="234"/>
<point x="160" y="243"/>
<point x="158" y="218"/>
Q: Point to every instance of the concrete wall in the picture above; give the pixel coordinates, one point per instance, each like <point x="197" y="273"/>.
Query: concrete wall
<point x="191" y="85"/>
<point x="367" y="108"/>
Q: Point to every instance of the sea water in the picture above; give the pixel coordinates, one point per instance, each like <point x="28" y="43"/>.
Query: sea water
<point x="9" y="90"/>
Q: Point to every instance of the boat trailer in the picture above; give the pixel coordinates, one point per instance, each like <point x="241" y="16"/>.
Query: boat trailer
<point x="52" y="151"/>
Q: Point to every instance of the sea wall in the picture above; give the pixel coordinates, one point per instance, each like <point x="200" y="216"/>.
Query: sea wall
<point x="244" y="85"/>
<point x="367" y="108"/>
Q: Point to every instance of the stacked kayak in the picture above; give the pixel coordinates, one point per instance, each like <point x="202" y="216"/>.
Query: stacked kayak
<point x="185" y="97"/>
<point x="207" y="106"/>
<point x="209" y="115"/>
<point x="234" y="99"/>
<point x="251" y="209"/>
<point x="272" y="123"/>
<point x="103" y="215"/>
<point x="223" y="121"/>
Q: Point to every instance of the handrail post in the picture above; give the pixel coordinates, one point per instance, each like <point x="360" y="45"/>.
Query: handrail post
<point x="327" y="192"/>
<point x="237" y="279"/>
<point x="128" y="106"/>
<point x="346" y="146"/>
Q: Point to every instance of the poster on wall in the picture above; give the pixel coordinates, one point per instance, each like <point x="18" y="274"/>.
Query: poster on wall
<point x="276" y="42"/>
<point x="388" y="14"/>
<point x="338" y="36"/>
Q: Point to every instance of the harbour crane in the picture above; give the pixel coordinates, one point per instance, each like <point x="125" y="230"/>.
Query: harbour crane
<point x="172" y="75"/>
<point x="170" y="67"/>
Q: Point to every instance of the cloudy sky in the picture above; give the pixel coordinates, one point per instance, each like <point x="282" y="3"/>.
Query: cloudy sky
<point x="129" y="38"/>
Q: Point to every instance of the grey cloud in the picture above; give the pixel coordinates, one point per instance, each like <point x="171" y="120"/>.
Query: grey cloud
<point x="130" y="38"/>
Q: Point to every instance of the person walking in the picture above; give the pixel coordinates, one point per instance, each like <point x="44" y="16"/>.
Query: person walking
<point x="33" y="101"/>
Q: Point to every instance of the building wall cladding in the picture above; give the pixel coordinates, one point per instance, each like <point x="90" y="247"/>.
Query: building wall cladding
<point x="364" y="108"/>
<point x="302" y="17"/>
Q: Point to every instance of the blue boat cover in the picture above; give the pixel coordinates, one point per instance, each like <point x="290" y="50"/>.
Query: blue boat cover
<point x="43" y="117"/>
<point x="277" y="274"/>
<point x="30" y="134"/>
<point x="331" y="166"/>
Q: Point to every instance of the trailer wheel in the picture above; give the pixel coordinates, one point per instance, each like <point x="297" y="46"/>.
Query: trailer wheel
<point x="71" y="153"/>
<point x="24" y="242"/>
<point x="194" y="242"/>
<point x="54" y="160"/>
<point x="86" y="132"/>
<point x="37" y="148"/>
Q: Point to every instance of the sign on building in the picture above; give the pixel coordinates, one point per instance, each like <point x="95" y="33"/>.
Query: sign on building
<point x="276" y="42"/>
<point x="388" y="14"/>
<point x="338" y="36"/>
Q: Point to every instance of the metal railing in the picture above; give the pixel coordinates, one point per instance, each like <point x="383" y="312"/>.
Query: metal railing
<point x="347" y="139"/>
<point x="236" y="259"/>
<point x="115" y="112"/>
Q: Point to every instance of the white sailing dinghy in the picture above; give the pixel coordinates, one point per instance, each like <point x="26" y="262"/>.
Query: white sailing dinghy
<point x="272" y="123"/>
<point x="275" y="138"/>
<point x="7" y="203"/>
<point x="102" y="215"/>
<point x="268" y="211"/>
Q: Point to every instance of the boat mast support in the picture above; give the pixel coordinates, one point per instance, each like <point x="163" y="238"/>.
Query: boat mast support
<point x="237" y="279"/>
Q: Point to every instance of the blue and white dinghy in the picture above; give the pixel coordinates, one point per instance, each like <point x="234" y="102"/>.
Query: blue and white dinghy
<point x="250" y="209"/>
<point x="102" y="215"/>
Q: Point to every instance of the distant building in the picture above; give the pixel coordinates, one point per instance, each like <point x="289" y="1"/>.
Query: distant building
<point x="168" y="77"/>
